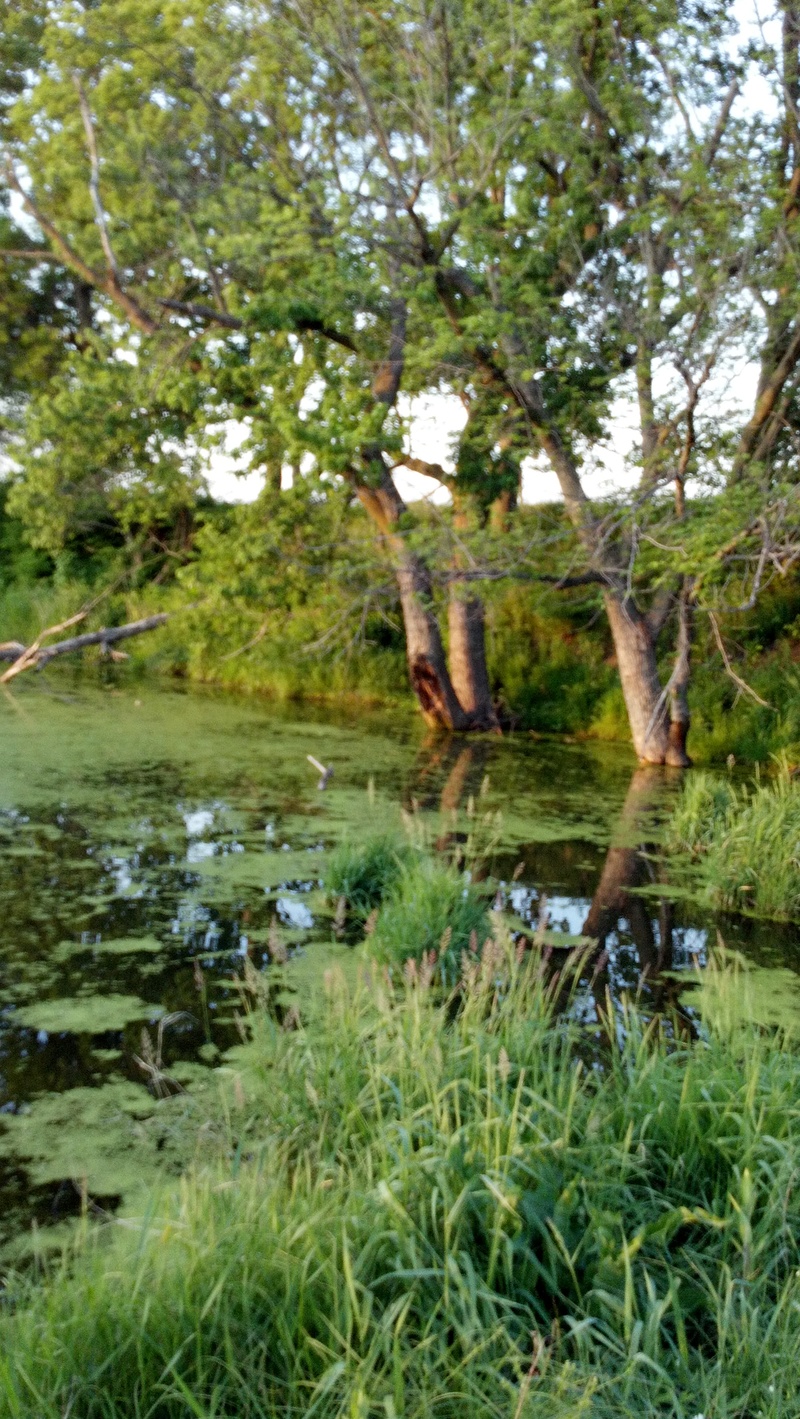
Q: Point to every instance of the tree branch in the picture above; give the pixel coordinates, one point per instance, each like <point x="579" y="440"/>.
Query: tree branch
<point x="37" y="655"/>
<point x="741" y="684"/>
<point x="108" y="283"/>
<point x="94" y="181"/>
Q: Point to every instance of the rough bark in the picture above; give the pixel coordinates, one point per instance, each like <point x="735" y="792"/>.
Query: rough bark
<point x="645" y="700"/>
<point x="467" y="659"/>
<point x="427" y="664"/>
<point x="680" y="718"/>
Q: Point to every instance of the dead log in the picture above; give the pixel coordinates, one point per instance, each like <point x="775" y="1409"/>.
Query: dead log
<point x="38" y="655"/>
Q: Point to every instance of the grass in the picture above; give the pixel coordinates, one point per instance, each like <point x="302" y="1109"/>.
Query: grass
<point x="434" y="915"/>
<point x="748" y="841"/>
<point x="427" y="1214"/>
<point x="365" y="873"/>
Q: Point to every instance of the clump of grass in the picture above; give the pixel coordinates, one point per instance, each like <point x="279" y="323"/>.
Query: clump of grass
<point x="450" y="1216"/>
<point x="433" y="908"/>
<point x="366" y="872"/>
<point x="701" y="812"/>
<point x="749" y="841"/>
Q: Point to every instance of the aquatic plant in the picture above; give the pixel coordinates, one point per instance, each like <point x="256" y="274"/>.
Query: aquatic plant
<point x="701" y="811"/>
<point x="748" y="840"/>
<point x="365" y="872"/>
<point x="451" y="1216"/>
<point x="432" y="908"/>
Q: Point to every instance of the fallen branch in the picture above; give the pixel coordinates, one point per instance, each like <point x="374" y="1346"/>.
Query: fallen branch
<point x="29" y="655"/>
<point x="38" y="655"/>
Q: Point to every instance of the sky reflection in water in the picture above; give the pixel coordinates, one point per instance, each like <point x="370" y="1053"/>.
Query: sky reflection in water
<point x="142" y="838"/>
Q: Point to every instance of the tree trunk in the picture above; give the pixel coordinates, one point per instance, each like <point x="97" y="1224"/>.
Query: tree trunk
<point x="427" y="665"/>
<point x="680" y="717"/>
<point x="467" y="659"/>
<point x="645" y="700"/>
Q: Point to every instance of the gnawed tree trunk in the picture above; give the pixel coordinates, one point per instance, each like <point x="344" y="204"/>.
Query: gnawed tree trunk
<point x="466" y="613"/>
<point x="427" y="664"/>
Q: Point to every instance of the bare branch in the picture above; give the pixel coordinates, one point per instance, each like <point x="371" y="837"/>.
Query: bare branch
<point x="94" y="181"/>
<point x="26" y="253"/>
<point x="106" y="282"/>
<point x="741" y="684"/>
<point x="37" y="655"/>
<point x="712" y="146"/>
<point x="202" y="312"/>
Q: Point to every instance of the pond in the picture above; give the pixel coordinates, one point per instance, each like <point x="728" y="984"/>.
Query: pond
<point x="150" y="840"/>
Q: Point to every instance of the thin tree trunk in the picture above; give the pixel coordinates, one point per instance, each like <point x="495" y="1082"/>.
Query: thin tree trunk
<point x="467" y="635"/>
<point x="680" y="718"/>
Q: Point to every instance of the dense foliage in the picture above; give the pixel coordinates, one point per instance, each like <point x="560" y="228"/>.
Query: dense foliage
<point x="297" y="217"/>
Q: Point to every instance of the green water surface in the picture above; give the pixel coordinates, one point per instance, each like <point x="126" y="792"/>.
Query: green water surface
<point x="150" y="836"/>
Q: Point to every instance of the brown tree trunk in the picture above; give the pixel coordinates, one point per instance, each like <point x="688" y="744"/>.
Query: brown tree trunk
<point x="427" y="665"/>
<point x="467" y="634"/>
<point x="680" y="717"/>
<point x="645" y="700"/>
<point x="468" y="672"/>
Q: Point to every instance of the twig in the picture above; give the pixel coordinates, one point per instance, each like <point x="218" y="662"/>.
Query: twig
<point x="737" y="679"/>
<point x="94" y="181"/>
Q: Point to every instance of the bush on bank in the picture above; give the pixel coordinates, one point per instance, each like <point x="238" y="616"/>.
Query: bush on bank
<point x="427" y="1213"/>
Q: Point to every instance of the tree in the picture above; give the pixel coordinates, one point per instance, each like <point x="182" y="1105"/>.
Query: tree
<point x="314" y="208"/>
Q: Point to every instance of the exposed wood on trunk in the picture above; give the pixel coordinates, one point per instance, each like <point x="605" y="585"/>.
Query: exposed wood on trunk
<point x="427" y="665"/>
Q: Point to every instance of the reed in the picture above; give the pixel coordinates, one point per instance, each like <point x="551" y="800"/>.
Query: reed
<point x="365" y="872"/>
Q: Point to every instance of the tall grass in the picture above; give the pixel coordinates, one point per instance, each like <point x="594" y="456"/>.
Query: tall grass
<point x="748" y="841"/>
<point x="364" y="873"/>
<point x="434" y="913"/>
<point x="426" y="1215"/>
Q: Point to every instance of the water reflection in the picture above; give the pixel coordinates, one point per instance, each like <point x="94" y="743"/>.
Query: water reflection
<point x="131" y="892"/>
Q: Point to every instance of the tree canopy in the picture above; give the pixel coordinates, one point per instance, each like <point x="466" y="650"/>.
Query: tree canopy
<point x="298" y="215"/>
